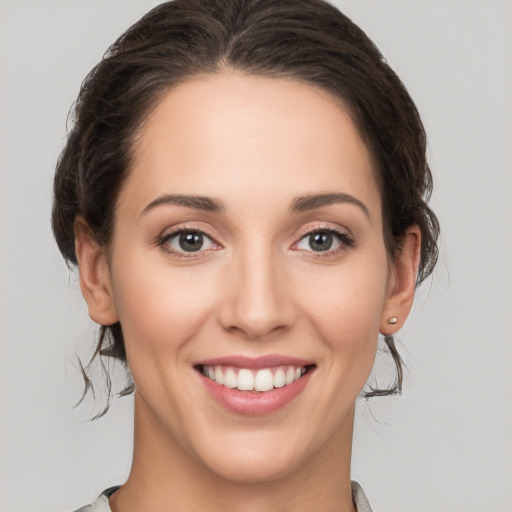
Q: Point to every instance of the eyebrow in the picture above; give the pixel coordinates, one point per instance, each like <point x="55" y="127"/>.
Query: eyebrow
<point x="197" y="202"/>
<point x="299" y="204"/>
<point x="304" y="203"/>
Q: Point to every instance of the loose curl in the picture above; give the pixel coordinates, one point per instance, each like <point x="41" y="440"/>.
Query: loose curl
<point x="304" y="40"/>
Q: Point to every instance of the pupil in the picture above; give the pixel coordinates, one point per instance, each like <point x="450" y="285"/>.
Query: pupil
<point x="321" y="241"/>
<point x="191" y="242"/>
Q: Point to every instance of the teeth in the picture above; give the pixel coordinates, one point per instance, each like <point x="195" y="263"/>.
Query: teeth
<point x="263" y="381"/>
<point x="252" y="380"/>
<point x="230" y="379"/>
<point x="245" y="381"/>
<point x="219" y="376"/>
<point x="279" y="378"/>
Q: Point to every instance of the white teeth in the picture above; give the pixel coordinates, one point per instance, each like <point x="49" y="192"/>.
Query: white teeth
<point x="252" y="380"/>
<point x="263" y="381"/>
<point x="230" y="379"/>
<point x="245" y="380"/>
<point x="219" y="376"/>
<point x="279" y="378"/>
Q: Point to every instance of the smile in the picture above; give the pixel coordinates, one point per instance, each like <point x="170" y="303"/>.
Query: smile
<point x="255" y="386"/>
<point x="245" y="379"/>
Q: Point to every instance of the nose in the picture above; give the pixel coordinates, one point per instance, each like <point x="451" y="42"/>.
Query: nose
<point x="258" y="299"/>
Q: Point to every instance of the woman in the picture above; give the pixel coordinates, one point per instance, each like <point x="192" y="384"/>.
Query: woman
<point x="244" y="192"/>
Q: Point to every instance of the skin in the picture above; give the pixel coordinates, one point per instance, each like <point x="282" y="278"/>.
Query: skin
<point x="255" y="144"/>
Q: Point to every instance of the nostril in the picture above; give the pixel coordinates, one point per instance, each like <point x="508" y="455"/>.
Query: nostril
<point x="257" y="329"/>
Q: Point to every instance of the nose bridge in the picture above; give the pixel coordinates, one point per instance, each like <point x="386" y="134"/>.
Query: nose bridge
<point x="258" y="301"/>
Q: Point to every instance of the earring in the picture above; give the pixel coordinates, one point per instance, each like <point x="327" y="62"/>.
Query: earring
<point x="392" y="320"/>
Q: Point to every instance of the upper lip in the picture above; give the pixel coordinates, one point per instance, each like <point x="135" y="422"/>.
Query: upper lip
<point x="254" y="363"/>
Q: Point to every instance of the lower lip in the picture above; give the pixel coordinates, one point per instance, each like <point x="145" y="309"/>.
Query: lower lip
<point x="255" y="403"/>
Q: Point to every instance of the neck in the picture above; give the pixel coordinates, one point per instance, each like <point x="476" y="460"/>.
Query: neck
<point x="166" y="477"/>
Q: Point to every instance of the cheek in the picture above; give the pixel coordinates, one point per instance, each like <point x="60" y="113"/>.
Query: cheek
<point x="346" y="312"/>
<point x="159" y="307"/>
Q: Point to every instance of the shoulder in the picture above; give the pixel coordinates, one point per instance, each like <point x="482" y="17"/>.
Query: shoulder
<point x="360" y="500"/>
<point x="101" y="504"/>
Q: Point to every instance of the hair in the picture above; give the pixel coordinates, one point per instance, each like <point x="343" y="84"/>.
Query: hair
<point x="309" y="41"/>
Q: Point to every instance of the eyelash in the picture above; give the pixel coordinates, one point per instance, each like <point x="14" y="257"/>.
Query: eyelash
<point x="164" y="240"/>
<point x="344" y="239"/>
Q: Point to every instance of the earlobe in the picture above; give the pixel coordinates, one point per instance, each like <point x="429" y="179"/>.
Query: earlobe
<point x="94" y="270"/>
<point x="402" y="283"/>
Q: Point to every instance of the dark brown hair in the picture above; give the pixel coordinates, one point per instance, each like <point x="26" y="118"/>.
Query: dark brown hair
<point x="304" y="40"/>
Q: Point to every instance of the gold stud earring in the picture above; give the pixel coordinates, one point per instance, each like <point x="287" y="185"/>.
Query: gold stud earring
<point x="392" y="320"/>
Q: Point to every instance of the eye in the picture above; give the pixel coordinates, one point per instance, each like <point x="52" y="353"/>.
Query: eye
<point x="187" y="241"/>
<point x="324" y="240"/>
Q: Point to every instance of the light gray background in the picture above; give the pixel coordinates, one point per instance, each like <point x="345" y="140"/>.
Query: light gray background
<point x="446" y="444"/>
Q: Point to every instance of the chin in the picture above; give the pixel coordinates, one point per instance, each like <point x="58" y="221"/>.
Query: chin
<point x="254" y="466"/>
<point x="263" y="453"/>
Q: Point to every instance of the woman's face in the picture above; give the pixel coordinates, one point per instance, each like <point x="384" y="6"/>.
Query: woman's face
<point x="248" y="246"/>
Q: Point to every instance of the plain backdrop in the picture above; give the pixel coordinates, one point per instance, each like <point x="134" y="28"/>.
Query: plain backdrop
<point x="446" y="444"/>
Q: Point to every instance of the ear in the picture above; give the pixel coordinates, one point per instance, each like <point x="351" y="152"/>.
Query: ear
<point x="95" y="281"/>
<point x="401" y="283"/>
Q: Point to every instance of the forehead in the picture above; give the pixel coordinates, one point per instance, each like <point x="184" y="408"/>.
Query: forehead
<point x="235" y="133"/>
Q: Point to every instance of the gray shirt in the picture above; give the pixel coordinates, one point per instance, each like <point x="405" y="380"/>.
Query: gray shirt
<point x="101" y="504"/>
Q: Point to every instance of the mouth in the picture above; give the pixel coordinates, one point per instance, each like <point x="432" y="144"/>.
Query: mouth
<point x="258" y="380"/>
<point x="254" y="386"/>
